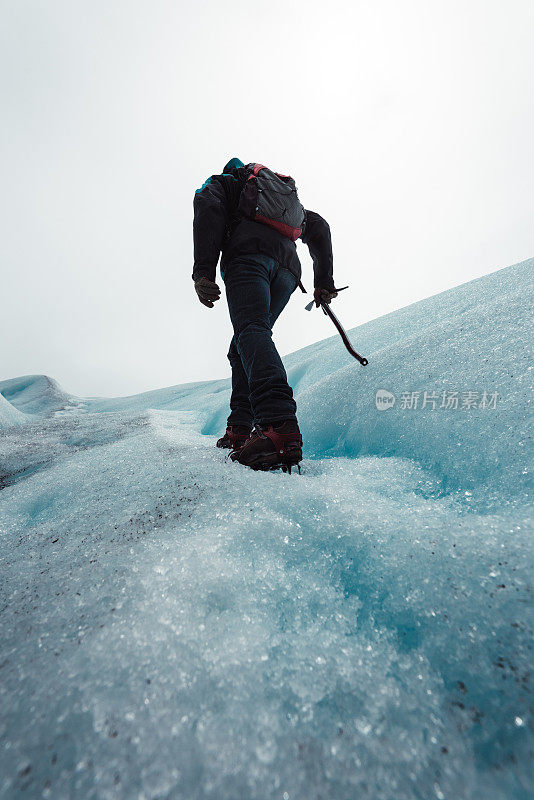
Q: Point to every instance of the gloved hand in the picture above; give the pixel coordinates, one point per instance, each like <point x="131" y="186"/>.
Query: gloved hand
<point x="323" y="295"/>
<point x="208" y="292"/>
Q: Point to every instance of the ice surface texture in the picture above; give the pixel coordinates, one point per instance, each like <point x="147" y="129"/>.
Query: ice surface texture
<point x="174" y="626"/>
<point x="8" y="414"/>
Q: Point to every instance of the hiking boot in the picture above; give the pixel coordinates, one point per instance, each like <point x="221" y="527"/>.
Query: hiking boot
<point x="272" y="446"/>
<point x="234" y="438"/>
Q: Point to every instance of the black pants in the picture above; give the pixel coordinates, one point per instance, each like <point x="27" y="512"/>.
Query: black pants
<point x="257" y="291"/>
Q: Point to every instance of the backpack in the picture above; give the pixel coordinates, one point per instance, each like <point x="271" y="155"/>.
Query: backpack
<point x="272" y="199"/>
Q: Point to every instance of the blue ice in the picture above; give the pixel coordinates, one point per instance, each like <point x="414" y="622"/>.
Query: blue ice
<point x="176" y="626"/>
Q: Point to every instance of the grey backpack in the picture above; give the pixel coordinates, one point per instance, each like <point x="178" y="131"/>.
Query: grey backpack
<point x="272" y="199"/>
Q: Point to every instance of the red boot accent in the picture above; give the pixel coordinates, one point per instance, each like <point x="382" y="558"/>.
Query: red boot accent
<point x="281" y="441"/>
<point x="236" y="436"/>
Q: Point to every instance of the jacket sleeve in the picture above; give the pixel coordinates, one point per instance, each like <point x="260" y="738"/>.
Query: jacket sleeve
<point x="317" y="236"/>
<point x="211" y="207"/>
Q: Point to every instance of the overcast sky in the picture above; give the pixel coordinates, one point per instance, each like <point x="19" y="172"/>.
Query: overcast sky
<point x="408" y="124"/>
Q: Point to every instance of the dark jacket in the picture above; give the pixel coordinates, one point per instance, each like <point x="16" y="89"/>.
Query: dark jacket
<point x="218" y="226"/>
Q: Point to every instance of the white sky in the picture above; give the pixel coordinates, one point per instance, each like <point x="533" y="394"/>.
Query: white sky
<point x="408" y="124"/>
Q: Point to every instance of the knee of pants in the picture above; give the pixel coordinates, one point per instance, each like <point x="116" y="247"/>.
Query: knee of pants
<point x="232" y="354"/>
<point x="251" y="328"/>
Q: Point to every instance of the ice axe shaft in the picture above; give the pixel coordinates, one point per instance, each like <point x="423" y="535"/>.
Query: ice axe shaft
<point x="329" y="313"/>
<point x="340" y="329"/>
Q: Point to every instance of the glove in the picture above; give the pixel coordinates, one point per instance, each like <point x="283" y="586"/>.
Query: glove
<point x="323" y="296"/>
<point x="208" y="292"/>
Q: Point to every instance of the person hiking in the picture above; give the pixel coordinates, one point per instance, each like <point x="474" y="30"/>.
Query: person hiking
<point x="253" y="216"/>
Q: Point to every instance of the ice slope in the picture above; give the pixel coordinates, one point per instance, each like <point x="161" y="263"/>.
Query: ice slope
<point x="37" y="394"/>
<point x="8" y="414"/>
<point x="174" y="626"/>
<point x="474" y="338"/>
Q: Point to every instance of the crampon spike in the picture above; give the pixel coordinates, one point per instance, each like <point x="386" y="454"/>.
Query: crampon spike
<point x="284" y="467"/>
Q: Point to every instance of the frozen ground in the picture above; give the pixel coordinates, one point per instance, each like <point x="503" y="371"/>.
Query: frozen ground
<point x="174" y="626"/>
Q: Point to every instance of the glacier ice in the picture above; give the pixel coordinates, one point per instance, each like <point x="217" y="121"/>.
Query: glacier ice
<point x="9" y="415"/>
<point x="177" y="626"/>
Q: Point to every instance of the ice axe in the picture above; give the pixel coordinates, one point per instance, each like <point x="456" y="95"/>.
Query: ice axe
<point x="329" y="313"/>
